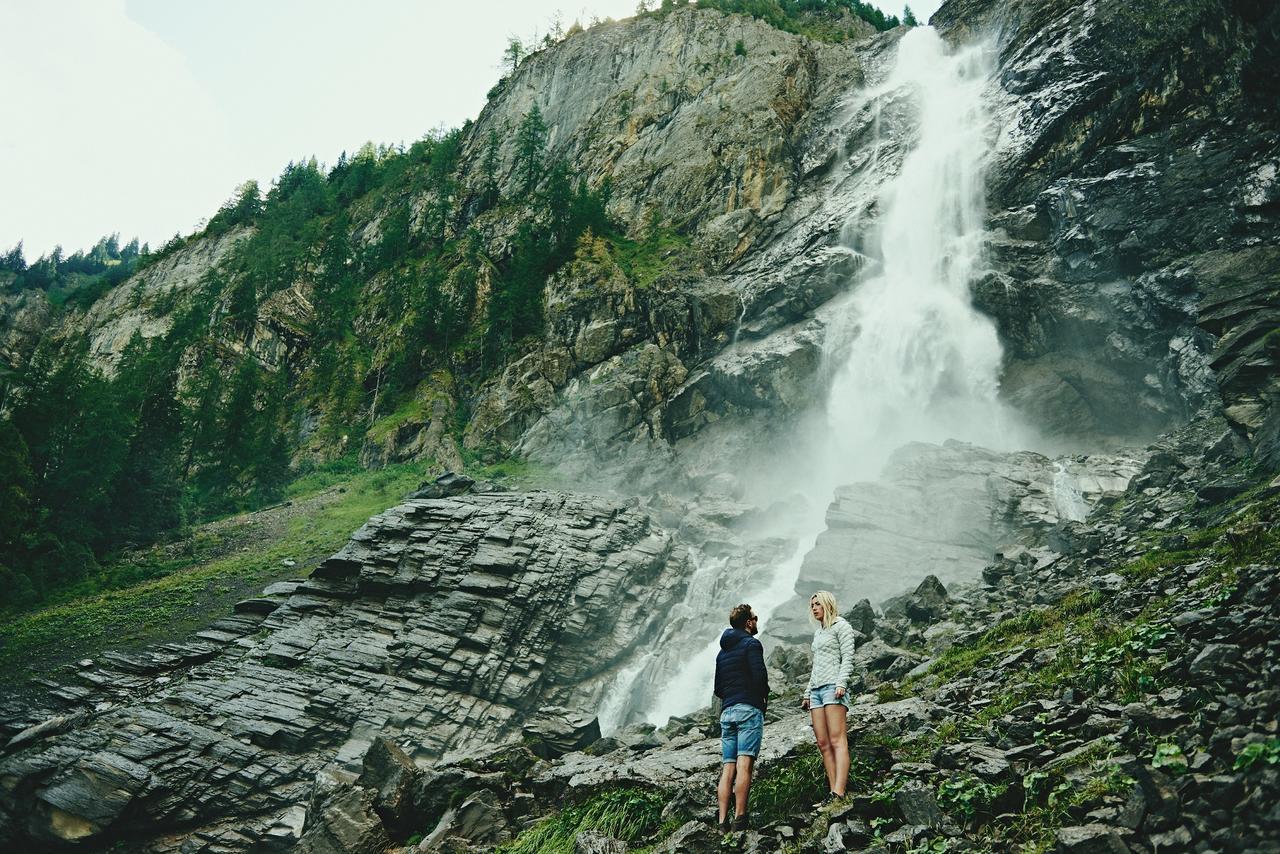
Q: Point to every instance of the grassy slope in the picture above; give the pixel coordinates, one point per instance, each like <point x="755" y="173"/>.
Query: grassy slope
<point x="196" y="581"/>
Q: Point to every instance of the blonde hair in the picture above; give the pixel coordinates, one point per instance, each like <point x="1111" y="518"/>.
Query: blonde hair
<point x="830" y="610"/>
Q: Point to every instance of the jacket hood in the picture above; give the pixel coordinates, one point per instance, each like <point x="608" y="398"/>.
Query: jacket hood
<point x="733" y="637"/>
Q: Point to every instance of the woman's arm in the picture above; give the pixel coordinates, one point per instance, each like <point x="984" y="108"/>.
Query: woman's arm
<point x="844" y="634"/>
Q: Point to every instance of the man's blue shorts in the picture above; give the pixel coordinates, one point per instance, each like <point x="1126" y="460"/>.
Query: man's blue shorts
<point x="741" y="729"/>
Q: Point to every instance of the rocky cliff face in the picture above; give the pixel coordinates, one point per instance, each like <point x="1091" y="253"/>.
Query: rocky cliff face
<point x="447" y="621"/>
<point x="1130" y="708"/>
<point x="1133" y="191"/>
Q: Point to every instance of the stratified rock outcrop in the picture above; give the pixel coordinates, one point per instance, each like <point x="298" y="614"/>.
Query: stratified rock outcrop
<point x="444" y="623"/>
<point x="943" y="510"/>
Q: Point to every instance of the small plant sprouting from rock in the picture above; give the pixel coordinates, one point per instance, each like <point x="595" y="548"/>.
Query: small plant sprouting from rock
<point x="1169" y="756"/>
<point x="1265" y="752"/>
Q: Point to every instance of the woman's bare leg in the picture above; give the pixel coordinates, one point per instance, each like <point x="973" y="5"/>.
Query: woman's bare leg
<point x="837" y="733"/>
<point x="819" y="719"/>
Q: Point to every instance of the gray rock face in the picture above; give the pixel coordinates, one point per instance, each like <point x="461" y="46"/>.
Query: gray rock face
<point x="943" y="511"/>
<point x="557" y="731"/>
<point x="23" y="318"/>
<point x="1132" y="194"/>
<point x="443" y="624"/>
<point x="680" y="122"/>
<point x="145" y="303"/>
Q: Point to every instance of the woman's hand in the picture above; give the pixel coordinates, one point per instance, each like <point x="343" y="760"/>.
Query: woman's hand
<point x="839" y="693"/>
<point x="804" y="704"/>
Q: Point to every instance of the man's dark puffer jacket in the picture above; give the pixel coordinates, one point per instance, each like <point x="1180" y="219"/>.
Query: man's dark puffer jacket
<point x="740" y="673"/>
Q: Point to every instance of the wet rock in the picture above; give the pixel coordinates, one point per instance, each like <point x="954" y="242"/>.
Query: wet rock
<point x="691" y="836"/>
<point x="1213" y="659"/>
<point x="390" y="774"/>
<point x="929" y="602"/>
<point x="919" y="807"/>
<point x="989" y="763"/>
<point x="346" y="823"/>
<point x="445" y="486"/>
<point x="593" y="842"/>
<point x="942" y="511"/>
<point x="556" y="731"/>
<point x="1089" y="839"/>
<point x="862" y="617"/>
<point x="1178" y="839"/>
<point x="86" y="800"/>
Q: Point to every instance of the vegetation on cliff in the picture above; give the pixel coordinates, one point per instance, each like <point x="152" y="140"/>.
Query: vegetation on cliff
<point x="827" y="20"/>
<point x="194" y="423"/>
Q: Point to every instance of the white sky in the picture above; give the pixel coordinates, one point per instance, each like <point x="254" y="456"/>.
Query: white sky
<point x="142" y="116"/>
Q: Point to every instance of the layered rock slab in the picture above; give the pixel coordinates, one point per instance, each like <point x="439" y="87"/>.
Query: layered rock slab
<point x="443" y="623"/>
<point x="943" y="510"/>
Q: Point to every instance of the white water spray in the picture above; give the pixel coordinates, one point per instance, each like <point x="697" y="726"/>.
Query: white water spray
<point x="1067" y="499"/>
<point x="915" y="361"/>
<point x="909" y="359"/>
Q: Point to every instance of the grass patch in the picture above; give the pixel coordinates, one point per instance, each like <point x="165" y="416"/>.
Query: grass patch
<point x="1033" y="628"/>
<point x="409" y="409"/>
<point x="175" y="594"/>
<point x="625" y="814"/>
<point x="785" y="789"/>
<point x="645" y="260"/>
<point x="323" y="476"/>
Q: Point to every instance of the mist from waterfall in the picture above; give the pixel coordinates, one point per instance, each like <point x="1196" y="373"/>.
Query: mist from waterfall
<point x="907" y="356"/>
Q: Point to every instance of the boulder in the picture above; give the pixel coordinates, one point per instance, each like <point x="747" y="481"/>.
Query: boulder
<point x="594" y="842"/>
<point x="391" y="775"/>
<point x="445" y="486"/>
<point x="1089" y="839"/>
<point x="79" y="805"/>
<point x="918" y="806"/>
<point x="862" y="617"/>
<point x="556" y="731"/>
<point x="346" y="823"/>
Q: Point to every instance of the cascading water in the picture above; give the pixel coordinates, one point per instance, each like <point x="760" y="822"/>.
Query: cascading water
<point x="908" y="358"/>
<point x="913" y="359"/>
<point x="1067" y="499"/>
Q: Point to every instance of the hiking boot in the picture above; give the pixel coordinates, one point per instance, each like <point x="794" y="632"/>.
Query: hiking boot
<point x="740" y="823"/>
<point x="725" y="826"/>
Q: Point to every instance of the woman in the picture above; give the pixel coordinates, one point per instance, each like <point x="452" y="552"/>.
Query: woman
<point x="827" y="697"/>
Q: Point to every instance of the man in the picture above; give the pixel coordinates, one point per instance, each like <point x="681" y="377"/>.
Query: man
<point x="742" y="684"/>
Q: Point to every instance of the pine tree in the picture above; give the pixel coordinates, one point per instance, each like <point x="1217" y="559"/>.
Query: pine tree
<point x="909" y="17"/>
<point x="512" y="55"/>
<point x="531" y="140"/>
<point x="489" y="193"/>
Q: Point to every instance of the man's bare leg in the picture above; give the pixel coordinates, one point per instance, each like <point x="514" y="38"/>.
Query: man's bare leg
<point x="742" y="787"/>
<point x="725" y="789"/>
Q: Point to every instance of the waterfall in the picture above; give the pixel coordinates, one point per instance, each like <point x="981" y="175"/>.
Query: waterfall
<point x="912" y="359"/>
<point x="907" y="356"/>
<point x="1067" y="499"/>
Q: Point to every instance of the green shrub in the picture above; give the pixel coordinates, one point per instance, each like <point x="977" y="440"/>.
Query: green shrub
<point x="789" y="786"/>
<point x="967" y="796"/>
<point x="625" y="814"/>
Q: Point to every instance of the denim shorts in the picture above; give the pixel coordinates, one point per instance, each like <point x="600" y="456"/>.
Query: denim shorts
<point x="825" y="695"/>
<point x="741" y="729"/>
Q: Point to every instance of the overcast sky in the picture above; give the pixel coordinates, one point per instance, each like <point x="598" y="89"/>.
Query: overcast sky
<point x="142" y="116"/>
